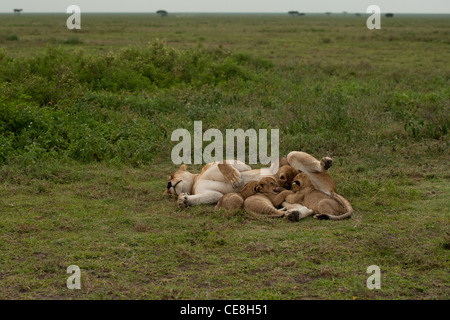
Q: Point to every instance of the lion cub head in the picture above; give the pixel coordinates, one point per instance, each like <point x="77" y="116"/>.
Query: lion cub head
<point x="300" y="182"/>
<point x="267" y="185"/>
<point x="285" y="176"/>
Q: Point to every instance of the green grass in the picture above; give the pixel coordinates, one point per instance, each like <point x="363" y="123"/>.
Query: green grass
<point x="85" y="123"/>
<point x="132" y="243"/>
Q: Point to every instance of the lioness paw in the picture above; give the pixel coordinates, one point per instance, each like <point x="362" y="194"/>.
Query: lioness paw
<point x="322" y="216"/>
<point x="230" y="174"/>
<point x="236" y="183"/>
<point x="183" y="201"/>
<point x="293" y="216"/>
<point x="326" y="162"/>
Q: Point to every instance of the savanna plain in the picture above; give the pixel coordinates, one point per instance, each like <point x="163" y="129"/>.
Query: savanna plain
<point x="86" y="118"/>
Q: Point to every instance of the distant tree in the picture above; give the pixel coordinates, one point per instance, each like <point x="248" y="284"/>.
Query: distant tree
<point x="327" y="13"/>
<point x="162" y="13"/>
<point x="344" y="13"/>
<point x="296" y="13"/>
<point x="358" y="14"/>
<point x="389" y="15"/>
<point x="18" y="11"/>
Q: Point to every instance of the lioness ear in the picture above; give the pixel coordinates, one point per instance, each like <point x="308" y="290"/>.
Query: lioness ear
<point x="183" y="167"/>
<point x="255" y="189"/>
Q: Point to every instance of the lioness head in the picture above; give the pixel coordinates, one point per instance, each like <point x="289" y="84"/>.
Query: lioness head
<point x="180" y="181"/>
<point x="285" y="176"/>
<point x="300" y="182"/>
<point x="267" y="185"/>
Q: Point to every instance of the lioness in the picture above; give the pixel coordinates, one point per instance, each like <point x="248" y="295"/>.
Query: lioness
<point x="333" y="206"/>
<point x="222" y="177"/>
<point x="215" y="180"/>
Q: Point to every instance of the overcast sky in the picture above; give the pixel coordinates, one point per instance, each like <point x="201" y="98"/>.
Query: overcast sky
<point x="396" y="6"/>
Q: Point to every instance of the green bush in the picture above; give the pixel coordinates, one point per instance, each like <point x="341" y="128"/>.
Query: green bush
<point x="73" y="41"/>
<point x="12" y="37"/>
<point x="90" y="107"/>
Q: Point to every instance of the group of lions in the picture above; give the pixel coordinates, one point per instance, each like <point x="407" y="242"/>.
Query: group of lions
<point x="295" y="187"/>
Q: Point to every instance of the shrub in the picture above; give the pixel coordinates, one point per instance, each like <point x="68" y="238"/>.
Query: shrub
<point x="12" y="37"/>
<point x="73" y="41"/>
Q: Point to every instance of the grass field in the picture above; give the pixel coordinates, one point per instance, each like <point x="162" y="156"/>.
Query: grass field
<point x="86" y="118"/>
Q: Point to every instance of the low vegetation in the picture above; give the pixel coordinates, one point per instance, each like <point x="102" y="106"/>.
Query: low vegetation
<point x="85" y="139"/>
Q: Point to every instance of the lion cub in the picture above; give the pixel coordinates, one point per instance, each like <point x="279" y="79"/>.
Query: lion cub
<point x="334" y="207"/>
<point x="269" y="187"/>
<point x="233" y="200"/>
<point x="263" y="204"/>
<point x="285" y="175"/>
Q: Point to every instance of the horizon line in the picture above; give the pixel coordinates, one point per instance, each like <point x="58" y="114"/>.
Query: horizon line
<point x="229" y="12"/>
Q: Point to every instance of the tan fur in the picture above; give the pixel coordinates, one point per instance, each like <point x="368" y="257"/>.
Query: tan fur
<point x="229" y="173"/>
<point x="234" y="200"/>
<point x="269" y="187"/>
<point x="230" y="176"/>
<point x="215" y="180"/>
<point x="316" y="170"/>
<point x="263" y="204"/>
<point x="285" y="175"/>
<point x="333" y="206"/>
<point x="282" y="162"/>
<point x="259" y="207"/>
